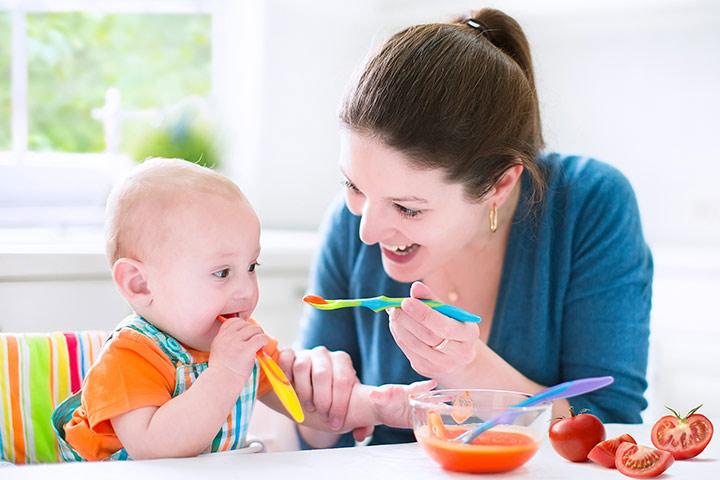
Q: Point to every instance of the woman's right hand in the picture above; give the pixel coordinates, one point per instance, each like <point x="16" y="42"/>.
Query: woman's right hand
<point x="323" y="380"/>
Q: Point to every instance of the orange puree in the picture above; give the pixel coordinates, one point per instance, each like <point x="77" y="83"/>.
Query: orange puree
<point x="492" y="451"/>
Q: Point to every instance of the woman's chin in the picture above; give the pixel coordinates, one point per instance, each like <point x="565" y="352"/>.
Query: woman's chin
<point x="401" y="273"/>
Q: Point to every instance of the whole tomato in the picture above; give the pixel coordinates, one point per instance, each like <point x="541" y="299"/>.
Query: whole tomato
<point x="573" y="437"/>
<point x="684" y="437"/>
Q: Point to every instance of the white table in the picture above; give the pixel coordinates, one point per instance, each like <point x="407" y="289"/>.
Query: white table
<point x="407" y="461"/>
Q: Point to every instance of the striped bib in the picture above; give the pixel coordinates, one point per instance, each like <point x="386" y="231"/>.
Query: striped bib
<point x="232" y="434"/>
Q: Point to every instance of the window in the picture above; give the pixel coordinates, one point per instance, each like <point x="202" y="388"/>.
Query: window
<point x="81" y="85"/>
<point x="153" y="61"/>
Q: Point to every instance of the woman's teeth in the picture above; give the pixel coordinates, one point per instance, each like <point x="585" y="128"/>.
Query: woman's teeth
<point x="403" y="249"/>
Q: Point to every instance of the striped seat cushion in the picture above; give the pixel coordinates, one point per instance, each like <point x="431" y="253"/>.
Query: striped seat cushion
<point x="38" y="371"/>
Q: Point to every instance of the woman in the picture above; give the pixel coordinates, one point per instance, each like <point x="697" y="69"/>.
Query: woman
<point x="449" y="197"/>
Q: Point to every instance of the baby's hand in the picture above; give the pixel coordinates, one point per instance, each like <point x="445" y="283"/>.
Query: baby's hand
<point x="233" y="348"/>
<point x="390" y="402"/>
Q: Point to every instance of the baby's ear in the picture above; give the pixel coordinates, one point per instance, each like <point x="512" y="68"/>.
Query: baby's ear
<point x="129" y="276"/>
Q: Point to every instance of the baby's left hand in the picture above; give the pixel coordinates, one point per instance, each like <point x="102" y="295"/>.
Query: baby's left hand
<point x="391" y="405"/>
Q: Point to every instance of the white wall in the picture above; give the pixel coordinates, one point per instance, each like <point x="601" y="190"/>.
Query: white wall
<point x="632" y="83"/>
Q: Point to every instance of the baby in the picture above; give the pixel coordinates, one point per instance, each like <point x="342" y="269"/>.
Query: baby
<point x="172" y="380"/>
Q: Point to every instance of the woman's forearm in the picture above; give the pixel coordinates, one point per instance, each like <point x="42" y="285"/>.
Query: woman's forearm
<point x="490" y="370"/>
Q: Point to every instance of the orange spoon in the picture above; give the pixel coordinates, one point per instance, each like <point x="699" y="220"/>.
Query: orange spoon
<point x="279" y="382"/>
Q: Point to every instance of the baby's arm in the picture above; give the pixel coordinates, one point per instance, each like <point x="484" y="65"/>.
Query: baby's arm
<point x="187" y="424"/>
<point x="369" y="406"/>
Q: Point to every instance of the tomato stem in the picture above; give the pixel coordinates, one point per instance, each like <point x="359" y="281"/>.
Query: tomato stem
<point x="681" y="418"/>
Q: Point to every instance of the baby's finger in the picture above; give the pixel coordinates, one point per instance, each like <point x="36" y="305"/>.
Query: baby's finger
<point x="246" y="333"/>
<point x="421" y="387"/>
<point x="257" y="342"/>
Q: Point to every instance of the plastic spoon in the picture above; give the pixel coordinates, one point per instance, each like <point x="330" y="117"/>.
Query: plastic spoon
<point x="279" y="382"/>
<point x="382" y="303"/>
<point x="569" y="389"/>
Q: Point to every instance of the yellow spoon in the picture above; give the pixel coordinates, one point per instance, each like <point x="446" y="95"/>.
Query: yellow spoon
<point x="279" y="382"/>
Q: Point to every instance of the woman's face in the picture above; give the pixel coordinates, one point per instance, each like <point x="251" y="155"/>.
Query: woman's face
<point x="420" y="221"/>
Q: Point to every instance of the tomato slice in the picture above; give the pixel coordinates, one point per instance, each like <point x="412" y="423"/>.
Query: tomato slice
<point x="436" y="426"/>
<point x="684" y="437"/>
<point x="604" y="452"/>
<point x="638" y="461"/>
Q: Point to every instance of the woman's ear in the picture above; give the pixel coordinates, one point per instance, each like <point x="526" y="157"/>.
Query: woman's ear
<point x="504" y="187"/>
<point x="130" y="277"/>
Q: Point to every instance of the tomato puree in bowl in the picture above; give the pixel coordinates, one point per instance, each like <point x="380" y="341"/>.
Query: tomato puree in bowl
<point x="496" y="450"/>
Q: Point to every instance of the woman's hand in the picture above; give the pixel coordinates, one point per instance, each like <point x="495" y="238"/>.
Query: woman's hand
<point x="323" y="380"/>
<point x="436" y="345"/>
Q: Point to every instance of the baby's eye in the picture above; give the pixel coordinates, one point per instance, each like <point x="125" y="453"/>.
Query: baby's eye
<point x="222" y="273"/>
<point x="253" y="266"/>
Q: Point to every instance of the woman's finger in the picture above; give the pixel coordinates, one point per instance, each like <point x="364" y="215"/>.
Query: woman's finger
<point x="442" y="326"/>
<point x="301" y="371"/>
<point x="424" y="334"/>
<point x="321" y="375"/>
<point x="286" y="359"/>
<point x="344" y="379"/>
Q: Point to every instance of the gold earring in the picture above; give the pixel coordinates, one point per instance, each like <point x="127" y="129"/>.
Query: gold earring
<point x="493" y="218"/>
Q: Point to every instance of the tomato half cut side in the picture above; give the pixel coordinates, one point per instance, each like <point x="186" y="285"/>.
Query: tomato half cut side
<point x="638" y="461"/>
<point x="684" y="437"/>
<point x="604" y="452"/>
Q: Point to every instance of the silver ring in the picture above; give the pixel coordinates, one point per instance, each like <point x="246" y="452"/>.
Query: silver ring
<point x="441" y="346"/>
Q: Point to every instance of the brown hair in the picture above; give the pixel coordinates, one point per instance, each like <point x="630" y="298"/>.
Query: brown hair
<point x="458" y="96"/>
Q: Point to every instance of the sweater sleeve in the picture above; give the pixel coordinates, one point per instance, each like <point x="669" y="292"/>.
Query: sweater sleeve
<point x="606" y="311"/>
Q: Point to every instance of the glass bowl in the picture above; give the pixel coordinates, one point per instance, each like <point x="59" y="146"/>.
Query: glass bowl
<point x="441" y="415"/>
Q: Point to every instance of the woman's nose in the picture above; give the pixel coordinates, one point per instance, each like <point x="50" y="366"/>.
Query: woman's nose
<point x="373" y="224"/>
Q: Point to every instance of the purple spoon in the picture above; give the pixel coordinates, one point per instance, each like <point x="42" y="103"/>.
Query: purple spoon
<point x="573" y="388"/>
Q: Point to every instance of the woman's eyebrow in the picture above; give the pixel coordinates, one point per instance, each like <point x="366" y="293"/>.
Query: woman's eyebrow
<point x="410" y="198"/>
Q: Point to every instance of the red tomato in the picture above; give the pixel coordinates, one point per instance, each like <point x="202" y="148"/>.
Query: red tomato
<point x="638" y="461"/>
<point x="574" y="437"/>
<point x="684" y="437"/>
<point x="604" y="452"/>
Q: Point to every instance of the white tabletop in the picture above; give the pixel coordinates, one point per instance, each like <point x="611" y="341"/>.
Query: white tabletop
<point x="387" y="461"/>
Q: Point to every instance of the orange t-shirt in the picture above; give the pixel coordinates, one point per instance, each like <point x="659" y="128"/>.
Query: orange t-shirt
<point x="131" y="372"/>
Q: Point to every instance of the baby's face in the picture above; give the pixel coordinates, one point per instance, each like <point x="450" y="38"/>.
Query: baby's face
<point x="204" y="266"/>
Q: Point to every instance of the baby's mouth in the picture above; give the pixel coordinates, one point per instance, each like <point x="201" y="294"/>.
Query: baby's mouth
<point x="230" y="315"/>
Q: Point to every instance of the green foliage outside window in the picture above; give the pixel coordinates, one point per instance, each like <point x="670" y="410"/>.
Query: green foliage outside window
<point x="155" y="60"/>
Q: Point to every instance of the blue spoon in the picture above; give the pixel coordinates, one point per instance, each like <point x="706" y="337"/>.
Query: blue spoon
<point x="569" y="389"/>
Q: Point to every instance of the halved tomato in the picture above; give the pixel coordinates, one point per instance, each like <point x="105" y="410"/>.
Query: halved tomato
<point x="638" y="461"/>
<point x="684" y="437"/>
<point x="604" y="452"/>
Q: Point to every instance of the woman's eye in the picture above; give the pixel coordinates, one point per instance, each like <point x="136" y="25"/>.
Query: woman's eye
<point x="222" y="273"/>
<point x="350" y="186"/>
<point x="253" y="266"/>
<point x="407" y="212"/>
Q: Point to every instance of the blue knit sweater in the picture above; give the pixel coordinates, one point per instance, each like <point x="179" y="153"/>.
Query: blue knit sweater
<point x="574" y="298"/>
